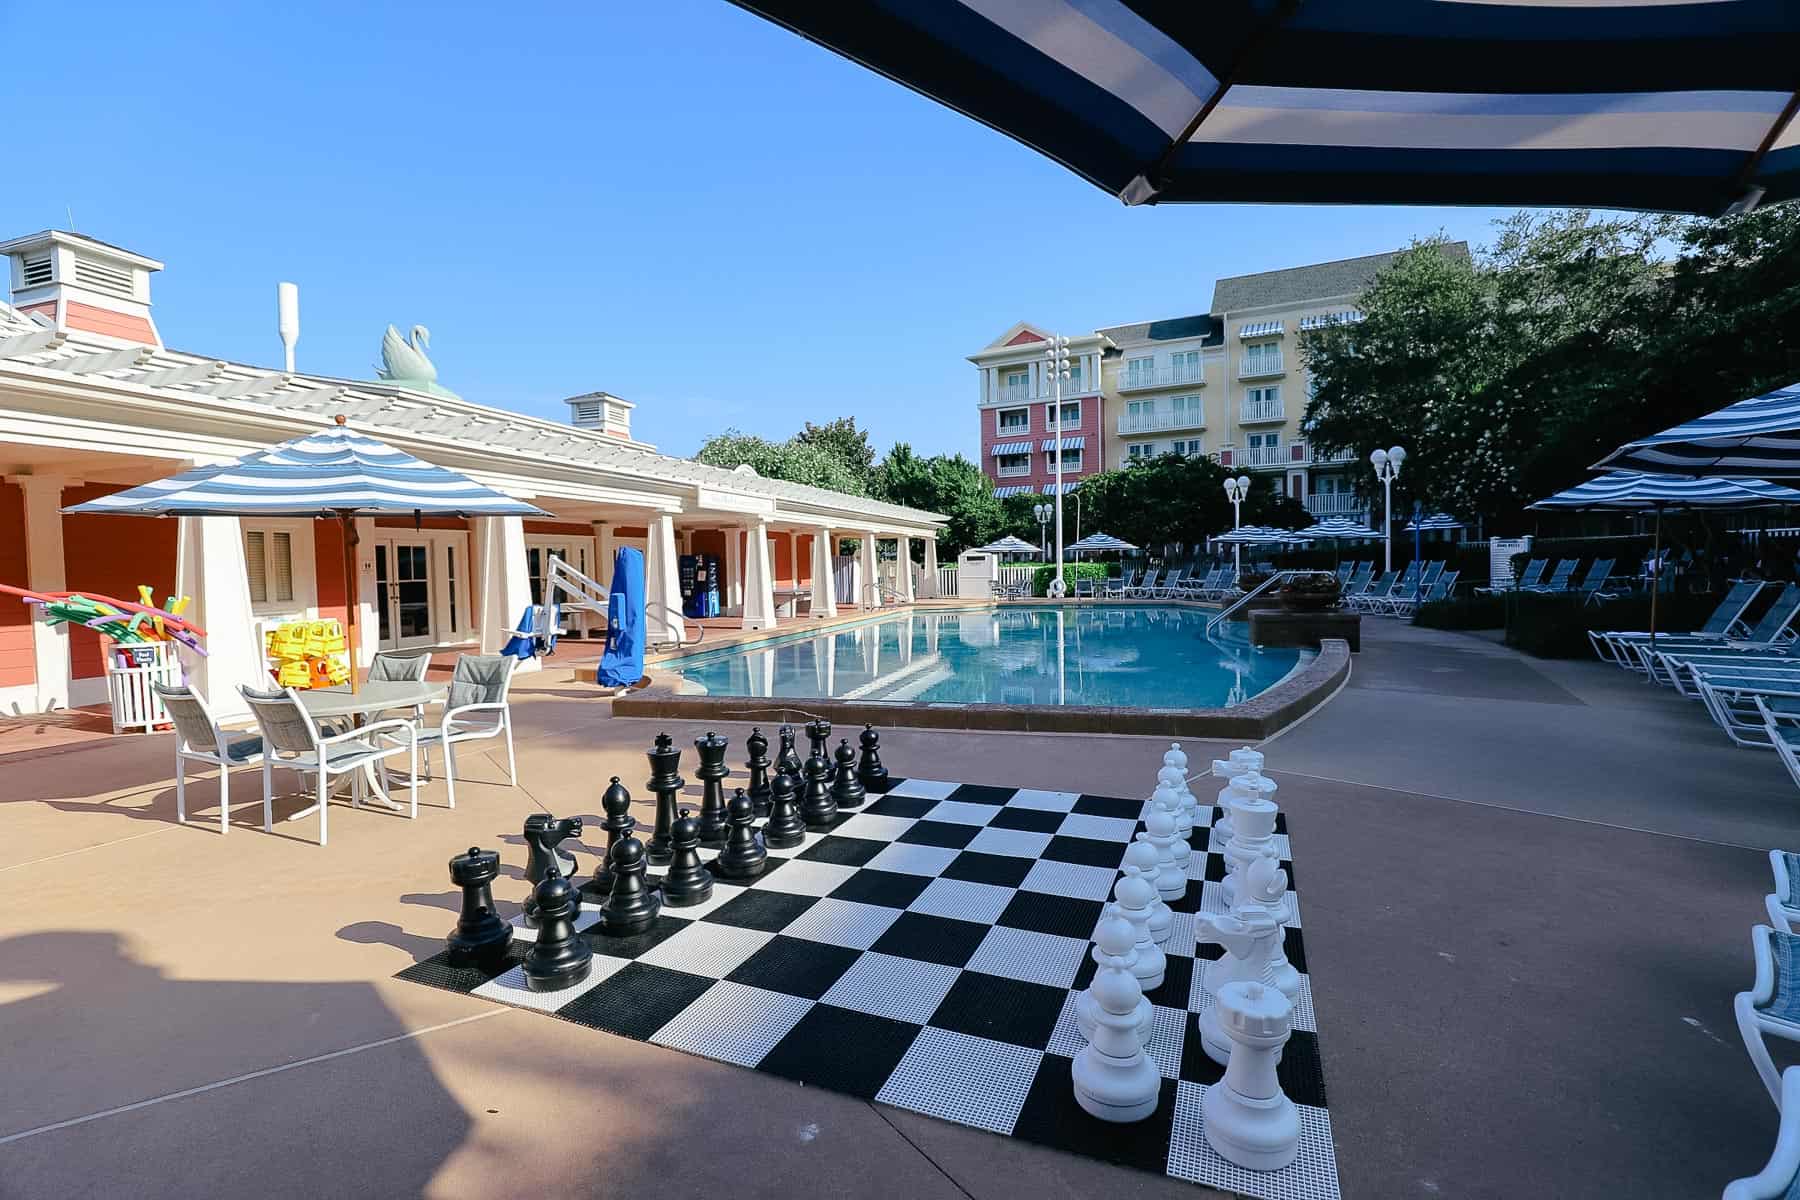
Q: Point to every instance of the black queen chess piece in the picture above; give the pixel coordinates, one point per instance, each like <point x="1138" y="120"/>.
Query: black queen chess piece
<point x="816" y="805"/>
<point x="786" y="828"/>
<point x="818" y="733"/>
<point x="560" y="957"/>
<point x="480" y="938"/>
<point x="544" y="836"/>
<point x="787" y="759"/>
<point x="666" y="782"/>
<point x="632" y="905"/>
<point x="846" y="789"/>
<point x="616" y="803"/>
<point x="686" y="881"/>
<point x="758" y="765"/>
<point x="712" y="772"/>
<point x="744" y="856"/>
<point x="869" y="770"/>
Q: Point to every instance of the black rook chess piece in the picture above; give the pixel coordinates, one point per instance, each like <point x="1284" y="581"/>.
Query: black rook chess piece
<point x="480" y="937"/>
<point x="743" y="856"/>
<point x="560" y="958"/>
<point x="787" y="760"/>
<point x="846" y="790"/>
<point x="869" y="770"/>
<point x="544" y="835"/>
<point x="786" y="828"/>
<point x="632" y="905"/>
<point x="817" y="805"/>
<point x="758" y="745"/>
<point x="616" y="802"/>
<point x="666" y="782"/>
<point x="712" y="772"/>
<point x="687" y="881"/>
<point x="818" y="733"/>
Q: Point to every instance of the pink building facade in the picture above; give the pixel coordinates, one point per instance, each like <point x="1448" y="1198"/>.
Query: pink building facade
<point x="1019" y="420"/>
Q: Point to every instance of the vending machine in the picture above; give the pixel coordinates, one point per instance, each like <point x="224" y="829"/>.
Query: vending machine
<point x="699" y="585"/>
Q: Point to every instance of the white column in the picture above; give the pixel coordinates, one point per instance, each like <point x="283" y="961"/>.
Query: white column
<point x="209" y="558"/>
<point x="903" y="577"/>
<point x="662" y="584"/>
<point x="604" y="549"/>
<point x="824" y="594"/>
<point x="44" y="570"/>
<point x="502" y="581"/>
<point x="732" y="601"/>
<point x="759" y="581"/>
<point x="930" y="590"/>
<point x="794" y="557"/>
<point x="987" y="384"/>
<point x="868" y="579"/>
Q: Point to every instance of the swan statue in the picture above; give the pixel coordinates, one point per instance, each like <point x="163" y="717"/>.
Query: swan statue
<point x="404" y="361"/>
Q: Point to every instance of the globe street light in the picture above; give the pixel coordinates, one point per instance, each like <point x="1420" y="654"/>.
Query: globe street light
<point x="1043" y="513"/>
<point x="1235" y="491"/>
<point x="1387" y="469"/>
<point x="1057" y="364"/>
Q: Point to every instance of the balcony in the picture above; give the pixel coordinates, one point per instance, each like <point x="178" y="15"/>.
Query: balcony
<point x="1263" y="410"/>
<point x="1267" y="456"/>
<point x="1259" y="366"/>
<point x="1335" y="504"/>
<point x="1001" y="472"/>
<point x="1159" y="422"/>
<point x="1336" y="456"/>
<point x="1003" y="397"/>
<point x="1184" y="376"/>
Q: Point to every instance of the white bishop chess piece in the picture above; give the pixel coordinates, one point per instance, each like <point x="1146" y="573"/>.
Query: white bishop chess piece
<point x="1140" y="856"/>
<point x="1238" y="762"/>
<point x="1253" y="816"/>
<point x="1113" y="1078"/>
<point x="1245" y="1116"/>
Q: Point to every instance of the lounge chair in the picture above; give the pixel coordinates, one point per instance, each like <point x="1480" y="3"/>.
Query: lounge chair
<point x="1148" y="587"/>
<point x="1219" y="585"/>
<point x="1559" y="578"/>
<point x="1116" y="588"/>
<point x="1171" y="584"/>
<point x="1667" y="657"/>
<point x="1772" y="1005"/>
<point x="1615" y="645"/>
<point x="1343" y="572"/>
<point x="1781" y="1177"/>
<point x="1409" y="596"/>
<point x="1376" y="591"/>
<point x="1440" y="590"/>
<point x="1743" y="702"/>
<point x="1783" y="904"/>
<point x="1593" y="584"/>
<point x="1359" y="578"/>
<point x="1534" y="571"/>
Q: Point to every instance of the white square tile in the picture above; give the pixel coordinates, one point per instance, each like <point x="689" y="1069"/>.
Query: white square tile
<point x="811" y="838"/>
<point x="1020" y="843"/>
<point x="1045" y="958"/>
<point x="734" y="1023"/>
<point x="875" y="827"/>
<point x="1044" y="801"/>
<point x="1181" y="935"/>
<point x="914" y="860"/>
<point x="1070" y="879"/>
<point x="1100" y="829"/>
<point x="1312" y="1176"/>
<point x="885" y="985"/>
<point x="802" y="877"/>
<point x="1066" y="1038"/>
<point x="970" y="1080"/>
<point x="844" y="923"/>
<point x="510" y="988"/>
<point x="960" y="812"/>
<point x="981" y="903"/>
<point x="924" y="789"/>
<point x="722" y="894"/>
<point x="586" y="918"/>
<point x="704" y="948"/>
<point x="1168" y="1030"/>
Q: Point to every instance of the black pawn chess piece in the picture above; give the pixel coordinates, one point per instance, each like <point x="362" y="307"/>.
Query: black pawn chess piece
<point x="712" y="771"/>
<point x="758" y="764"/>
<point x="687" y="881"/>
<point x="632" y="905"/>
<point x="869" y="770"/>
<point x="818" y="733"/>
<point x="816" y="805"/>
<point x="743" y="856"/>
<point x="666" y="782"/>
<point x="544" y="835"/>
<point x="480" y="937"/>
<point x="616" y="802"/>
<point x="787" y="759"/>
<point x="560" y="958"/>
<point x="846" y="790"/>
<point x="786" y="828"/>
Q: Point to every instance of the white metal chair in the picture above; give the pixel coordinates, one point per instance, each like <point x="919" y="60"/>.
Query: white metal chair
<point x="476" y="708"/>
<point x="289" y="731"/>
<point x="1772" y="1005"/>
<point x="198" y="738"/>
<point x="1781" y="1178"/>
<point x="1783" y="903"/>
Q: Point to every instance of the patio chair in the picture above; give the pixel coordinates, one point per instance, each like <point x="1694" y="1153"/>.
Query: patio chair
<point x="1771" y="1008"/>
<point x="1084" y="589"/>
<point x="1359" y="578"/>
<point x="1615" y="645"/>
<point x="1781" y="1177"/>
<point x="198" y="738"/>
<point x="401" y="666"/>
<point x="1147" y="587"/>
<point x="1665" y="659"/>
<point x="1116" y="588"/>
<point x="1343" y="573"/>
<point x="1374" y="593"/>
<point x="1201" y="589"/>
<point x="1440" y="590"/>
<point x="1171" y="584"/>
<point x="476" y="709"/>
<point x="1593" y="585"/>
<point x="1559" y="578"/>
<point x="1406" y="595"/>
<point x="288" y="730"/>
<point x="1528" y="578"/>
<point x="1783" y="904"/>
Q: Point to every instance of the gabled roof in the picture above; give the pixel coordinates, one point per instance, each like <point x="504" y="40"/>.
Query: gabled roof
<point x="1316" y="281"/>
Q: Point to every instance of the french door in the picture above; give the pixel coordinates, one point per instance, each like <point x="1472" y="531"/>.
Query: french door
<point x="403" y="594"/>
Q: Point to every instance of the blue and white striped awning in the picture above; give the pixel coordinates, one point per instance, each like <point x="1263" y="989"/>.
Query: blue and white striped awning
<point x="1633" y="490"/>
<point x="1072" y="442"/>
<point x="1014" y="489"/>
<point x="1434" y="521"/>
<point x="1676" y="106"/>
<point x="329" y="473"/>
<point x="1011" y="448"/>
<point x="1260" y="329"/>
<point x="1341" y="529"/>
<point x="1320" y="320"/>
<point x="1755" y="438"/>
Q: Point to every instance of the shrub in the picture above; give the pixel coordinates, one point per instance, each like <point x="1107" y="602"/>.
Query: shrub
<point x="1040" y="578"/>
<point x="1462" y="612"/>
<point x="1556" y="626"/>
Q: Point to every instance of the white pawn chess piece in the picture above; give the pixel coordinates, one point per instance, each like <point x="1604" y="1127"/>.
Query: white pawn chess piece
<point x="1245" y="1116"/>
<point x="1141" y="857"/>
<point x="1114" y="1080"/>
<point x="1240" y="761"/>
<point x="1253" y="816"/>
<point x="1159" y="831"/>
<point x="1176" y="757"/>
<point x="1087" y="1008"/>
<point x="1132" y="897"/>
<point x="1169" y="800"/>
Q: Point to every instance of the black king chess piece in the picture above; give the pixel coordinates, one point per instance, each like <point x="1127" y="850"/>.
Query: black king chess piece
<point x="632" y="905"/>
<point x="743" y="856"/>
<point x="480" y="937"/>
<point x="787" y="760"/>
<point x="616" y="802"/>
<point x="758" y="764"/>
<point x="544" y="835"/>
<point x="666" y="782"/>
<point x="846" y="789"/>
<point x="869" y="770"/>
<point x="686" y="881"/>
<point x="816" y="804"/>
<point x="560" y="958"/>
<point x="786" y="828"/>
<point x="712" y="771"/>
<point x="818" y="733"/>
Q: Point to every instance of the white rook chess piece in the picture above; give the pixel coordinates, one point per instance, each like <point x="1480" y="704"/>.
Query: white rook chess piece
<point x="1113" y="1078"/>
<point x="1169" y="800"/>
<point x="1240" y="761"/>
<point x="1132" y="897"/>
<point x="1252" y="825"/>
<point x="1087" y="1008"/>
<point x="1141" y="857"/>
<point x="1245" y="1116"/>
<point x="1171" y="880"/>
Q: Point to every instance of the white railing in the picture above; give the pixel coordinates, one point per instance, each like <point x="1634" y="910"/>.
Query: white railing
<point x="1131" y="381"/>
<point x="1261" y="411"/>
<point x="1266" y="456"/>
<point x="1254" y="366"/>
<point x="1336" y="456"/>
<point x="946" y="581"/>
<point x="1335" y="504"/>
<point x="1012" y="472"/>
<point x="1072" y="389"/>
<point x="1155" y="422"/>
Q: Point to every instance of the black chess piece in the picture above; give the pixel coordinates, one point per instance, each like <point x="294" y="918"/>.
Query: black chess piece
<point x="686" y="881"/>
<point x="560" y="958"/>
<point x="758" y="764"/>
<point x="816" y="805"/>
<point x="632" y="905"/>
<point x="480" y="937"/>
<point x="787" y="760"/>
<point x="616" y="802"/>
<point x="744" y="856"/>
<point x="666" y="782"/>
<point x="544" y="835"/>
<point x="818" y="733"/>
<point x="712" y="771"/>
<point x="846" y="789"/>
<point x="869" y="770"/>
<point x="786" y="828"/>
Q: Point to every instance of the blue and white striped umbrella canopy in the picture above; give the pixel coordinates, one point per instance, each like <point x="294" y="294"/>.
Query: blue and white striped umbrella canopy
<point x="1259" y="535"/>
<point x="1341" y="529"/>
<point x="1758" y="437"/>
<point x="1009" y="545"/>
<point x="1097" y="542"/>
<point x="329" y="473"/>
<point x="1434" y="521"/>
<point x="1654" y="104"/>
<point x="1634" y="490"/>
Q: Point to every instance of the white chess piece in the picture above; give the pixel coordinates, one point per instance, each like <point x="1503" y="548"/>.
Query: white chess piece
<point x="1265" y="890"/>
<point x="1141" y="857"/>
<point x="1169" y="800"/>
<point x="1176" y="757"/>
<point x="1132" y="897"/>
<point x="1237" y="763"/>
<point x="1087" y="1008"/>
<point x="1171" y="880"/>
<point x="1253" y="816"/>
<point x="1113" y="1079"/>
<point x="1245" y="1116"/>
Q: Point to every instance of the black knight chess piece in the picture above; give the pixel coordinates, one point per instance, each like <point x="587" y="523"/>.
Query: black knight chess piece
<point x="787" y="759"/>
<point x="743" y="856"/>
<point x="561" y="957"/>
<point x="818" y="733"/>
<point x="616" y="802"/>
<point x="869" y="770"/>
<point x="712" y="771"/>
<point x="846" y="789"/>
<point x="816" y="804"/>
<point x="686" y="881"/>
<point x="666" y="782"/>
<point x="758" y="765"/>
<point x="544" y="835"/>
<point x="480" y="937"/>
<point x="632" y="905"/>
<point x="786" y="828"/>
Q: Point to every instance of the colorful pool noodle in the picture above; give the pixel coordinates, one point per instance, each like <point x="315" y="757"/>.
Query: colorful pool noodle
<point x="171" y="616"/>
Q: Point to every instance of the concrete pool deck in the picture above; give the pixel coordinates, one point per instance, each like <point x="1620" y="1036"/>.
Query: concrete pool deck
<point x="1529" y="889"/>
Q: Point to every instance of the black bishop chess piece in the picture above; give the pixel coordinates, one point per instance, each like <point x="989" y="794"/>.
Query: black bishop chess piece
<point x="818" y="733"/>
<point x="846" y="790"/>
<point x="869" y="770"/>
<point x="744" y="856"/>
<point x="787" y="759"/>
<point x="786" y="828"/>
<point x="632" y="905"/>
<point x="758" y="765"/>
<point x="480" y="937"/>
<point x="816" y="804"/>
<point x="666" y="782"/>
<point x="561" y="957"/>
<point x="712" y="772"/>
<point x="616" y="802"/>
<point x="686" y="882"/>
<point x="544" y="836"/>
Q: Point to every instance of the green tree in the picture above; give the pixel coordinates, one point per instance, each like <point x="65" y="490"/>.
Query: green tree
<point x="947" y="484"/>
<point x="793" y="460"/>
<point x="1174" y="499"/>
<point x="842" y="438"/>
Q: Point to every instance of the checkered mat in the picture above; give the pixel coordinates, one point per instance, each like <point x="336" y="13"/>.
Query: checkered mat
<point x="926" y="953"/>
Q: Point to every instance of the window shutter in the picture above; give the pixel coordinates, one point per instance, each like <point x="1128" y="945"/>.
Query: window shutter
<point x="255" y="566"/>
<point x="281" y="567"/>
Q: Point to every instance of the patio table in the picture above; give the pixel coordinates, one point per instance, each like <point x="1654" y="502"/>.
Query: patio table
<point x="375" y="696"/>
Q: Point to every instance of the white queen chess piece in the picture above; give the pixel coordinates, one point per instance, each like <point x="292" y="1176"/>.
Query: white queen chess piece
<point x="1113" y="1079"/>
<point x="1140" y="856"/>
<point x="1253" y="816"/>
<point x="1245" y="1116"/>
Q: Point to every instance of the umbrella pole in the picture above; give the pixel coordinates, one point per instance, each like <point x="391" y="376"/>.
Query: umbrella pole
<point x="1655" y="572"/>
<point x="350" y="597"/>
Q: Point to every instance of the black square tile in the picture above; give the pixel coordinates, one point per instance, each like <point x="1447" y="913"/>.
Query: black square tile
<point x="795" y="967"/>
<point x="1003" y="1010"/>
<point x="844" y="851"/>
<point x="1084" y="974"/>
<point x="757" y="909"/>
<point x="1051" y="1117"/>
<point x="1196" y="1067"/>
<point x="437" y="972"/>
<point x="1288" y="868"/>
<point x="1086" y="851"/>
<point x="1109" y="806"/>
<point x="1280" y="822"/>
<point x="900" y="806"/>
<point x="1294" y="946"/>
<point x="975" y="793"/>
<point x="1069" y="916"/>
<point x="637" y="1000"/>
<point x="1178" y="978"/>
<point x="932" y="939"/>
<point x="1208" y="951"/>
<point x="1003" y="870"/>
<point x="1034" y="820"/>
<point x="1188" y="902"/>
<point x="844" y="1051"/>
<point x="1300" y="1072"/>
<point x="890" y="889"/>
<point x="1216" y="870"/>
<point x="939" y="833"/>
<point x="634" y="945"/>
<point x="771" y="864"/>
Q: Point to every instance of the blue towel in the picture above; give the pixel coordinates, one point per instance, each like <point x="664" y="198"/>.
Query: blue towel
<point x="520" y="646"/>
<point x="623" y="662"/>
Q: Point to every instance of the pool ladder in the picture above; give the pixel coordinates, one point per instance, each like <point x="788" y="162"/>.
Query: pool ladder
<point x="1259" y="589"/>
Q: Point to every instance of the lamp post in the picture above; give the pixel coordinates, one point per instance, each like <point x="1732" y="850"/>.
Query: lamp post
<point x="1235" y="491"/>
<point x="1387" y="469"/>
<point x="1057" y="363"/>
<point x="1043" y="514"/>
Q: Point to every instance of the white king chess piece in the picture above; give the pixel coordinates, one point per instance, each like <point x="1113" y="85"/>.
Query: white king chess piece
<point x="1239" y="762"/>
<point x="1113" y="1078"/>
<point x="1253" y="813"/>
<point x="1245" y="1116"/>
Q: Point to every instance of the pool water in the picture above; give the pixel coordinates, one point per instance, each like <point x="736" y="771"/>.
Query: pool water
<point x="1116" y="655"/>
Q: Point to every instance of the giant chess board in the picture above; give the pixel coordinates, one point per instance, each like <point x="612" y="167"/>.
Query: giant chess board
<point x="926" y="953"/>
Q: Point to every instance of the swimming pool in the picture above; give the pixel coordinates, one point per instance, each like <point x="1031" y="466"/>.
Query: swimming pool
<point x="1116" y="655"/>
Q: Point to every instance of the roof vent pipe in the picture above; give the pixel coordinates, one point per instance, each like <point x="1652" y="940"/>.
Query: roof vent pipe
<point x="287" y="304"/>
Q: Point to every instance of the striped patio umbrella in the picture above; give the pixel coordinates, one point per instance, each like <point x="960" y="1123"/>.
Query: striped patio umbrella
<point x="332" y="473"/>
<point x="1758" y="437"/>
<point x="1260" y="535"/>
<point x="1648" y="104"/>
<point x="1341" y="529"/>
<point x="1009" y="545"/>
<point x="1434" y="521"/>
<point x="1095" y="543"/>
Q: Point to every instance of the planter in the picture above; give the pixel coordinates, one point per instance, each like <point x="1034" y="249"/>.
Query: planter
<point x="1294" y="601"/>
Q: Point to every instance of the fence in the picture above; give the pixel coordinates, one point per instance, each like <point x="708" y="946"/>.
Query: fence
<point x="130" y="670"/>
<point x="1010" y="574"/>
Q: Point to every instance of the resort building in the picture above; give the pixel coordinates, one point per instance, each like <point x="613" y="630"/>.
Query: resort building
<point x="92" y="401"/>
<point x="1020" y="423"/>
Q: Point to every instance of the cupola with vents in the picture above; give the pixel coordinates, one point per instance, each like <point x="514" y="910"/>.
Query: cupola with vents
<point x="602" y="411"/>
<point x="83" y="285"/>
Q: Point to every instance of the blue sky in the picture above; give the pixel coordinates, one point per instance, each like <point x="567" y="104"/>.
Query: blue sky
<point x="678" y="203"/>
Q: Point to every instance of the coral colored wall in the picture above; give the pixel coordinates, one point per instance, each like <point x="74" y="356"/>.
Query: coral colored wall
<point x="806" y="557"/>
<point x="630" y="531"/>
<point x="110" y="556"/>
<point x="328" y="570"/>
<point x="781" y="565"/>
<point x="567" y="528"/>
<point x="17" y="666"/>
